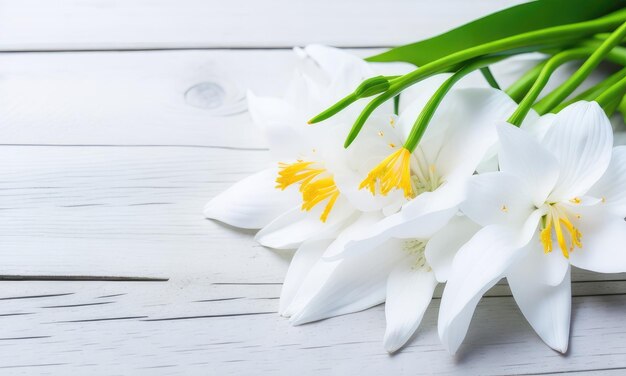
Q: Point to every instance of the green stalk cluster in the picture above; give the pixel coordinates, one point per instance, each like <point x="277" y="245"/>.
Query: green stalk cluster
<point x="592" y="41"/>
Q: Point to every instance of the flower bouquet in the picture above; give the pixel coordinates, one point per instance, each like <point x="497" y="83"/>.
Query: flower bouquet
<point x="388" y="179"/>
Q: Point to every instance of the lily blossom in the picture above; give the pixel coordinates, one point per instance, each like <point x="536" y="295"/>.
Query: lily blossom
<point x="555" y="202"/>
<point x="398" y="256"/>
<point x="402" y="272"/>
<point x="297" y="198"/>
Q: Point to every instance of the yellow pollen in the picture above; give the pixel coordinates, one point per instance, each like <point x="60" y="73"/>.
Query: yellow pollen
<point x="556" y="219"/>
<point x="504" y="209"/>
<point x="392" y="122"/>
<point x="316" y="185"/>
<point x="575" y="200"/>
<point x="392" y="145"/>
<point x="394" y="172"/>
<point x="380" y="133"/>
<point x="603" y="199"/>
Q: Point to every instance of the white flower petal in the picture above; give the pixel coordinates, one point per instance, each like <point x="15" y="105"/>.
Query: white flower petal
<point x="252" y="202"/>
<point x="478" y="266"/>
<point x="353" y="283"/>
<point x="302" y="262"/>
<point x="344" y="71"/>
<point x="547" y="308"/>
<point x="351" y="165"/>
<point x="275" y="118"/>
<point x="538" y="126"/>
<point x="603" y="238"/>
<point x="442" y="247"/>
<point x="497" y="197"/>
<point x="546" y="268"/>
<point x="409" y="291"/>
<point x="411" y="107"/>
<point x="348" y="184"/>
<point x="581" y="138"/>
<point x="524" y="157"/>
<point x="295" y="226"/>
<point x="420" y="218"/>
<point x="488" y="164"/>
<point x="357" y="229"/>
<point x="471" y="129"/>
<point x="490" y="161"/>
<point x="612" y="185"/>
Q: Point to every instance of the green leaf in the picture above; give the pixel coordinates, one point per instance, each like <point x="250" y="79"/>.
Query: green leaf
<point x="519" y="19"/>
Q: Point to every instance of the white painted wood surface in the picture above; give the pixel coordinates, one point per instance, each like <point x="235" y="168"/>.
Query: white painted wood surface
<point x="107" y="265"/>
<point x="132" y="24"/>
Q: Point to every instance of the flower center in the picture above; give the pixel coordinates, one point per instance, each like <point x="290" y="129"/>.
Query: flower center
<point x="395" y="172"/>
<point x="416" y="248"/>
<point x="567" y="235"/>
<point x="316" y="184"/>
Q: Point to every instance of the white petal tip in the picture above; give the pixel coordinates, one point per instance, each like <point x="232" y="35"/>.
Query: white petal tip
<point x="559" y="347"/>
<point x="296" y="320"/>
<point x="390" y="350"/>
<point x="263" y="240"/>
<point x="392" y="347"/>
<point x="396" y="340"/>
<point x="452" y="348"/>
<point x="209" y="211"/>
<point x="270" y="243"/>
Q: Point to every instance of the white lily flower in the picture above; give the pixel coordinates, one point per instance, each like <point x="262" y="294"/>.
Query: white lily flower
<point x="307" y="203"/>
<point x="399" y="258"/>
<point x="554" y="202"/>
<point x="402" y="272"/>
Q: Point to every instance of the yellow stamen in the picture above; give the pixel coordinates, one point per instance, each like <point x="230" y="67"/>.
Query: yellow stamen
<point x="575" y="200"/>
<point x="558" y="220"/>
<point x="380" y="133"/>
<point x="504" y="209"/>
<point x="394" y="172"/>
<point x="316" y="184"/>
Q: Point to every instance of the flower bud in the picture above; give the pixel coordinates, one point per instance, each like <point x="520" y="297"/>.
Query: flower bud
<point x="372" y="86"/>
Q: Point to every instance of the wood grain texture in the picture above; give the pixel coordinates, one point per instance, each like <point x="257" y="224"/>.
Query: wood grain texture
<point x="133" y="24"/>
<point x="182" y="98"/>
<point x="107" y="266"/>
<point x="136" y="211"/>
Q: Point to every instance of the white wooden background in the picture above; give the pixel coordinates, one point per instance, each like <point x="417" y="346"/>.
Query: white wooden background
<point x="119" y="119"/>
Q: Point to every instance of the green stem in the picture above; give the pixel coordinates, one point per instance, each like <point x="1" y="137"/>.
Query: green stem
<point x="491" y="80"/>
<point x="548" y="68"/>
<point x="524" y="83"/>
<point x="617" y="55"/>
<point x="558" y="95"/>
<point x="431" y="107"/>
<point x="396" y="104"/>
<point x="615" y="91"/>
<point x="593" y="91"/>
<point x="549" y="36"/>
<point x="621" y="107"/>
<point x="612" y="106"/>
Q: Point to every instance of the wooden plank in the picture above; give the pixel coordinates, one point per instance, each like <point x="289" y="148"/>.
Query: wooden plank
<point x="194" y="98"/>
<point x="137" y="212"/>
<point x="141" y="98"/>
<point x="137" y="24"/>
<point x="169" y="329"/>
